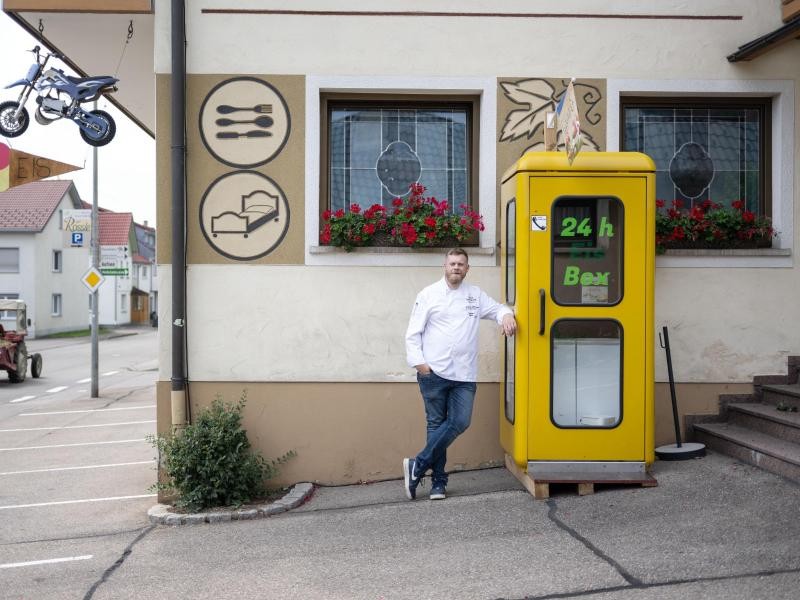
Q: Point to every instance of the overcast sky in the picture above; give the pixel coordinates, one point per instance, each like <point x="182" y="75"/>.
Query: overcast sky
<point x="126" y="165"/>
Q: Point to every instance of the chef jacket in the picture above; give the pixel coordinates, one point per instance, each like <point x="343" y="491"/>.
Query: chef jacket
<point x="443" y="328"/>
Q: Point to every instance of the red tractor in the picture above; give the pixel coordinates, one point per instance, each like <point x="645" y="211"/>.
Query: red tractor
<point x="13" y="353"/>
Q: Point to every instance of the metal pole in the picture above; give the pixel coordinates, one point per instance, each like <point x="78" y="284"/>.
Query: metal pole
<point x="96" y="265"/>
<point x="178" y="214"/>
<point x="672" y="389"/>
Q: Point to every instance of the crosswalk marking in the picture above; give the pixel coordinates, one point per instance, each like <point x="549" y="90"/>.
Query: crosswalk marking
<point x="22" y="399"/>
<point x="48" y="561"/>
<point x="88" y="410"/>
<point x="85" y="500"/>
<point x="76" y="426"/>
<point x="72" y="445"/>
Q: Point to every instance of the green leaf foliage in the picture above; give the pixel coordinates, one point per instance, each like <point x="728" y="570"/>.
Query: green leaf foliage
<point x="209" y="463"/>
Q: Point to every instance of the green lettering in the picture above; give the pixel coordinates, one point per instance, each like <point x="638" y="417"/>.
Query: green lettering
<point x="606" y="228"/>
<point x="587" y="278"/>
<point x="571" y="275"/>
<point x="602" y="278"/>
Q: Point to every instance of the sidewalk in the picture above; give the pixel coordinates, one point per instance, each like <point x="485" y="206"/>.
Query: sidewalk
<point x="713" y="528"/>
<point x="46" y="343"/>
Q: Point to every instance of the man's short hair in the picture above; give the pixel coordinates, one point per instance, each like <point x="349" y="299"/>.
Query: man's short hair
<point x="457" y="252"/>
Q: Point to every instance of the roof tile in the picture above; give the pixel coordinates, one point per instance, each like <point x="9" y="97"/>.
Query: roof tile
<point x="28" y="207"/>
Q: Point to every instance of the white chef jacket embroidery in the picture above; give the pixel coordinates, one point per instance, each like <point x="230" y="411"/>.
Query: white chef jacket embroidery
<point x="443" y="329"/>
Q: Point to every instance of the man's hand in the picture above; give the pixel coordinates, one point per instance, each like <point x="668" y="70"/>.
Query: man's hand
<point x="423" y="369"/>
<point x="509" y="325"/>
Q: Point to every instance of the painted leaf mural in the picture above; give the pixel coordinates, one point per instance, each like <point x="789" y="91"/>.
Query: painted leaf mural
<point x="538" y="97"/>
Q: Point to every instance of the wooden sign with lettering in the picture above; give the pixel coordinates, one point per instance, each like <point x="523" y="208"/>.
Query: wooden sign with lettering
<point x="25" y="168"/>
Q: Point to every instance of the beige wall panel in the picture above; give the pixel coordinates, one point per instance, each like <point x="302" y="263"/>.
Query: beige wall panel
<point x="285" y="169"/>
<point x="349" y="433"/>
<point x="346" y="433"/>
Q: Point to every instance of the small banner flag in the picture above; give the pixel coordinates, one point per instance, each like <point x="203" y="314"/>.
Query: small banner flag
<point x="5" y="171"/>
<point x="567" y="110"/>
<point x="25" y="168"/>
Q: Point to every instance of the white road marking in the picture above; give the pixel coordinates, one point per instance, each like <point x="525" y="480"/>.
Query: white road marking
<point x="75" y="426"/>
<point x="22" y="399"/>
<point x="73" y="445"/>
<point x="88" y="410"/>
<point x="125" y="464"/>
<point x="87" y="380"/>
<point x="49" y="561"/>
<point x="60" y="388"/>
<point x="109" y="373"/>
<point x="61" y="502"/>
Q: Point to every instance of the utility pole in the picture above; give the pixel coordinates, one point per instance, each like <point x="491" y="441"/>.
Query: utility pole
<point x="96" y="265"/>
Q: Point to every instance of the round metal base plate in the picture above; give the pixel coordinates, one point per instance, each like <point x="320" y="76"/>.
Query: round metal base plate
<point x="686" y="451"/>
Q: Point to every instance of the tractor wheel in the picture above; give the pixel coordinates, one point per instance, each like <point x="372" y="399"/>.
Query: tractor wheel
<point x="36" y="365"/>
<point x="18" y="376"/>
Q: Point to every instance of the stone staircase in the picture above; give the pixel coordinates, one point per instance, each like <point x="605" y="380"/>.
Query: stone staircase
<point x="762" y="429"/>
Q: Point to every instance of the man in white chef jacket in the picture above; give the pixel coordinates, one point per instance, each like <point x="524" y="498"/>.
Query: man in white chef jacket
<point x="442" y="345"/>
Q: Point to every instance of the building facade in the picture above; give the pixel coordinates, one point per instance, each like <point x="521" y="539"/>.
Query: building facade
<point x="291" y="113"/>
<point x="35" y="264"/>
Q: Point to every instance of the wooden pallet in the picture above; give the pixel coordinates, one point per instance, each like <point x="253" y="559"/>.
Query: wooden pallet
<point x="540" y="488"/>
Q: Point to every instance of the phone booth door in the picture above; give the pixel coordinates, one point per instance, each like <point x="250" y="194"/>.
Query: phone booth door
<point x="587" y="304"/>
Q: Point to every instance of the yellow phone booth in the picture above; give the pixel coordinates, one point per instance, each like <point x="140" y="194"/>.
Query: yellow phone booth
<point x="578" y="263"/>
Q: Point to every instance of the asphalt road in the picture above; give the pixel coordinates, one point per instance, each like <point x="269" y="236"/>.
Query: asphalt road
<point x="75" y="471"/>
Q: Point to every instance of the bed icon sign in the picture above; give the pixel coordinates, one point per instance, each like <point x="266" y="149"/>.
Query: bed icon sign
<point x="77" y="238"/>
<point x="244" y="215"/>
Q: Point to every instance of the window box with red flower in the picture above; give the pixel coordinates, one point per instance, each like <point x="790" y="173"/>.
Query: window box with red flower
<point x="415" y="222"/>
<point x="708" y="225"/>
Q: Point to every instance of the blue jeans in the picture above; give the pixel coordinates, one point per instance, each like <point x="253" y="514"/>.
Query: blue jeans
<point x="448" y="412"/>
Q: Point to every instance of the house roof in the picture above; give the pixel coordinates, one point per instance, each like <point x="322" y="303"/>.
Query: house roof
<point x="765" y="43"/>
<point x="115" y="228"/>
<point x="28" y="207"/>
<point x="138" y="258"/>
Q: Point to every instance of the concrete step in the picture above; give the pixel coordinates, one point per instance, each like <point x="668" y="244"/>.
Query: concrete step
<point x="753" y="447"/>
<point x="766" y="418"/>
<point x="788" y="395"/>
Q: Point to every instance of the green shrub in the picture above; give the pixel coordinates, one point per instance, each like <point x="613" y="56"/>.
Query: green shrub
<point x="209" y="462"/>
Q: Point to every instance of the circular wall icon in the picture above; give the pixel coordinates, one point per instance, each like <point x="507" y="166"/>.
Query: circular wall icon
<point x="244" y="215"/>
<point x="244" y="122"/>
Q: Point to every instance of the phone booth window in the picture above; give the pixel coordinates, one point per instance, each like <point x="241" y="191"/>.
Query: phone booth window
<point x="587" y="373"/>
<point x="508" y="399"/>
<point x="511" y="252"/>
<point x="587" y="251"/>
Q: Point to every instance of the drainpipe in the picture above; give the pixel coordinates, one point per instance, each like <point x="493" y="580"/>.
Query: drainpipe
<point x="178" y="160"/>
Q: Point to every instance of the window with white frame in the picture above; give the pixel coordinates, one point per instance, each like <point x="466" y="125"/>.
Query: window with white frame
<point x="55" y="305"/>
<point x="123" y="303"/>
<point x="9" y="260"/>
<point x="705" y="149"/>
<point x="57" y="261"/>
<point x="374" y="146"/>
<point x="7" y="314"/>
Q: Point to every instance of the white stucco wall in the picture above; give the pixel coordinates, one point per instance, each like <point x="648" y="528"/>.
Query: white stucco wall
<point x="730" y="317"/>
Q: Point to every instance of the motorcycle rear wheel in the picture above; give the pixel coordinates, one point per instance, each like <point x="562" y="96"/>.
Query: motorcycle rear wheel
<point x="104" y="138"/>
<point x="8" y="126"/>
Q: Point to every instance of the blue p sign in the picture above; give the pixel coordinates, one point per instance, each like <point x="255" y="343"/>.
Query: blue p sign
<point x="77" y="238"/>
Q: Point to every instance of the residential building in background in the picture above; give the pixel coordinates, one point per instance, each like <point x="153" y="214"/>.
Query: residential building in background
<point x="35" y="265"/>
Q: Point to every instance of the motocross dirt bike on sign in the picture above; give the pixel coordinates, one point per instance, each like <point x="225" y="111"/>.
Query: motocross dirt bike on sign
<point x="59" y="96"/>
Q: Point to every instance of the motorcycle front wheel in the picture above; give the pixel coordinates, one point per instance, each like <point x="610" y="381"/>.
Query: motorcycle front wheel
<point x="10" y="127"/>
<point x="100" y="138"/>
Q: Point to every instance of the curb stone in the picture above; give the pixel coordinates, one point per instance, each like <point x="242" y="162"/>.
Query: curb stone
<point x="161" y="515"/>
